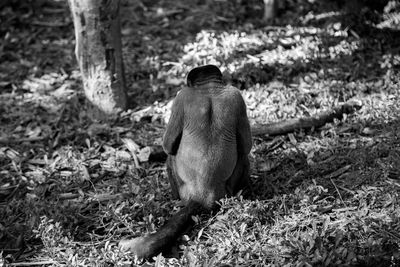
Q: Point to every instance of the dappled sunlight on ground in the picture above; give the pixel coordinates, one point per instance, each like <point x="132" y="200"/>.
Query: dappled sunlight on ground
<point x="70" y="187"/>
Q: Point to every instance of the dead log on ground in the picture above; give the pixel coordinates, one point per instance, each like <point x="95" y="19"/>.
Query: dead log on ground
<point x="287" y="126"/>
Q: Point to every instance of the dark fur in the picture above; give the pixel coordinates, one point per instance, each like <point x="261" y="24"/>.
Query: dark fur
<point x="203" y="75"/>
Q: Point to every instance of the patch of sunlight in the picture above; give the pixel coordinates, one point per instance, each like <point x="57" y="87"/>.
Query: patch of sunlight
<point x="210" y="46"/>
<point x="391" y="21"/>
<point x="215" y="48"/>
<point x="233" y="50"/>
<point x="317" y="17"/>
<point x="343" y="48"/>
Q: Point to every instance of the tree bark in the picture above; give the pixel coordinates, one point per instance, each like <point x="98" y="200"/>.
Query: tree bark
<point x="98" y="51"/>
<point x="270" y="9"/>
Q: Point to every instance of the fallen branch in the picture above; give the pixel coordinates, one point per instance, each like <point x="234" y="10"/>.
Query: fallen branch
<point x="33" y="263"/>
<point x="286" y="126"/>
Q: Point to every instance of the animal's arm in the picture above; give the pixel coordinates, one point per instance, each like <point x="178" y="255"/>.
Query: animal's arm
<point x="243" y="128"/>
<point x="173" y="133"/>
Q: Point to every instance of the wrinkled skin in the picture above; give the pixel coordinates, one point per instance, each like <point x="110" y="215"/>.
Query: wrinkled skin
<point x="207" y="140"/>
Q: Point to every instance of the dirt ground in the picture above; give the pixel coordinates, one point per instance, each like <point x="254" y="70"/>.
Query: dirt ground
<point x="71" y="188"/>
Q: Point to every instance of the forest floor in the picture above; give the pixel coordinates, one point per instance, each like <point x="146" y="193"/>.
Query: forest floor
<point x="70" y="188"/>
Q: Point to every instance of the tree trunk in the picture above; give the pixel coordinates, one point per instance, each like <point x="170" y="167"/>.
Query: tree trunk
<point x="98" y="51"/>
<point x="270" y="9"/>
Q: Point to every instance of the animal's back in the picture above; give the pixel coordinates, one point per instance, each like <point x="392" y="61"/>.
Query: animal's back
<point x="209" y="153"/>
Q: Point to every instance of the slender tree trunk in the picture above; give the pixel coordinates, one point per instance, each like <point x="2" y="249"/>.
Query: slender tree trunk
<point x="270" y="9"/>
<point x="98" y="51"/>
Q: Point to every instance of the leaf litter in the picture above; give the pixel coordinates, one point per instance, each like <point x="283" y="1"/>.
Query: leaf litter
<point x="71" y="188"/>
